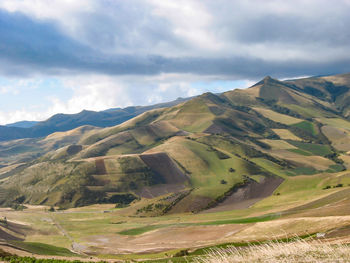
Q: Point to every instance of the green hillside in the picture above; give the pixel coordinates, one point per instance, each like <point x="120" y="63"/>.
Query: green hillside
<point x="190" y="157"/>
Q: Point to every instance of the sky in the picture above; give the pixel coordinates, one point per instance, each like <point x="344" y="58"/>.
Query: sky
<point x="63" y="56"/>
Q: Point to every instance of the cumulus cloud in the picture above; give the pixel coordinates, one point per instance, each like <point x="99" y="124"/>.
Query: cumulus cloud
<point x="99" y="92"/>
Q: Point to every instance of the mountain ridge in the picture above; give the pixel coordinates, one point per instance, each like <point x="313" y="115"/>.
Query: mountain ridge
<point x="63" y="122"/>
<point x="224" y="144"/>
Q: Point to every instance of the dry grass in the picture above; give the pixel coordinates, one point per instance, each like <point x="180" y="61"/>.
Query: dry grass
<point x="277" y="117"/>
<point x="279" y="144"/>
<point x="285" y="134"/>
<point x="298" y="251"/>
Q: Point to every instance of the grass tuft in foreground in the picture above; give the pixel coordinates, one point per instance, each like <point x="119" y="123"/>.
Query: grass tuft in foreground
<point x="298" y="251"/>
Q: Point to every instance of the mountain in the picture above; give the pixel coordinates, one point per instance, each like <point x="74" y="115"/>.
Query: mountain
<point x="65" y="122"/>
<point x="22" y="124"/>
<point x="214" y="152"/>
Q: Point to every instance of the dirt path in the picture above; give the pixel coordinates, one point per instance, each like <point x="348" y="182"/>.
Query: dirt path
<point x="75" y="246"/>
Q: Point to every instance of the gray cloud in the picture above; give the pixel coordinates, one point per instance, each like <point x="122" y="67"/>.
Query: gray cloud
<point x="137" y="38"/>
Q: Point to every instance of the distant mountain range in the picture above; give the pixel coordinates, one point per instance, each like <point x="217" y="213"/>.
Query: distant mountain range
<point x="213" y="152"/>
<point x="22" y="124"/>
<point x="65" y="122"/>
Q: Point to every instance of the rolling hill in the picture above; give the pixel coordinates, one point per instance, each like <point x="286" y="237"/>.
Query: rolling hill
<point x="214" y="152"/>
<point x="65" y="122"/>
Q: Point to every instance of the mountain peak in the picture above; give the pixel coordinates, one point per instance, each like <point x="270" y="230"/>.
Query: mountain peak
<point x="267" y="79"/>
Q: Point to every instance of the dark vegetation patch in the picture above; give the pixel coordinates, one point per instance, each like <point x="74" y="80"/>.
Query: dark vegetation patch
<point x="148" y="118"/>
<point x="309" y="131"/>
<point x="301" y="133"/>
<point x="253" y="153"/>
<point x="260" y="143"/>
<point x="137" y="181"/>
<point x="216" y="110"/>
<point x="244" y="152"/>
<point x="18" y="206"/>
<point x="225" y="125"/>
<point x="164" y="205"/>
<point x="270" y="123"/>
<point x="176" y="201"/>
<point x="43" y="249"/>
<point x="302" y="171"/>
<point x="219" y="154"/>
<point x="121" y="199"/>
<point x="315" y="149"/>
<point x="335" y="168"/>
<point x="7" y="196"/>
<point x="74" y="149"/>
<point x="335" y="157"/>
<point x="283" y="110"/>
<point x="315" y="92"/>
<point x="306" y="126"/>
<point x="335" y="91"/>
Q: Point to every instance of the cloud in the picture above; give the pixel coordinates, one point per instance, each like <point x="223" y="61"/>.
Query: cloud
<point x="7" y="90"/>
<point x="150" y="37"/>
<point x="100" y="92"/>
<point x="104" y="53"/>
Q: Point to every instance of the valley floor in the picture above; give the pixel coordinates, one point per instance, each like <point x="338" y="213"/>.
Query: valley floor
<point x="104" y="232"/>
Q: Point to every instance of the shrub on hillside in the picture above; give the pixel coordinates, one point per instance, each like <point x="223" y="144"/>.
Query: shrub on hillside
<point x="223" y="181"/>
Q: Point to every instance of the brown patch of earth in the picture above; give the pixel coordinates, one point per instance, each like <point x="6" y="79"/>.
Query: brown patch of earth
<point x="248" y="195"/>
<point x="191" y="203"/>
<point x="100" y="166"/>
<point x="7" y="236"/>
<point x="173" y="179"/>
<point x="13" y="231"/>
<point x="162" y="164"/>
<point x="214" y="129"/>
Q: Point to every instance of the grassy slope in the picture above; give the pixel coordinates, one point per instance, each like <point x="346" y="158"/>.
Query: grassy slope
<point x="300" y="203"/>
<point x="206" y="160"/>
